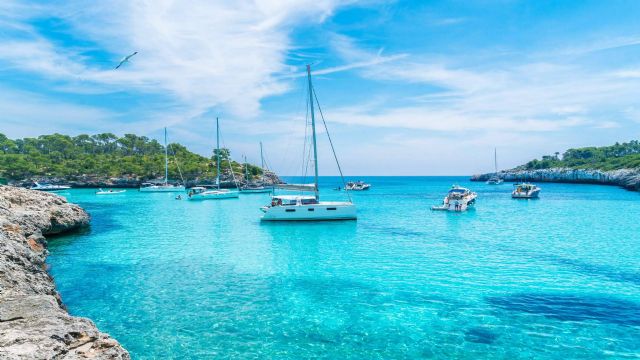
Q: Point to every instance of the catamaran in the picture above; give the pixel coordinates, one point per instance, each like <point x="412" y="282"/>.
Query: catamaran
<point x="255" y="187"/>
<point x="495" y="179"/>
<point x="308" y="207"/>
<point x="49" y="187"/>
<point x="164" y="187"/>
<point x="203" y="193"/>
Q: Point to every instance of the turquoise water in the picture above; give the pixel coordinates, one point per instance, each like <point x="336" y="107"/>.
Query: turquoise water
<point x="555" y="278"/>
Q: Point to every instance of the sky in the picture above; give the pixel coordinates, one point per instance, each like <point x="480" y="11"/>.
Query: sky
<point x="414" y="87"/>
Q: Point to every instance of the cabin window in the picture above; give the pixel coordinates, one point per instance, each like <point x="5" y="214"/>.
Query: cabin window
<point x="290" y="210"/>
<point x="331" y="208"/>
<point x="311" y="209"/>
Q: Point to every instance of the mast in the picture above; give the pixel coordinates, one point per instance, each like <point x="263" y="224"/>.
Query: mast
<point x="261" y="157"/>
<point x="217" y="154"/>
<point x="246" y="169"/>
<point x="166" y="158"/>
<point x="495" y="158"/>
<point x="313" y="128"/>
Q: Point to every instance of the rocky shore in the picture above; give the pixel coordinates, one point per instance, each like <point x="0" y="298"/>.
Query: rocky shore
<point x="85" y="181"/>
<point x="34" y="323"/>
<point x="627" y="178"/>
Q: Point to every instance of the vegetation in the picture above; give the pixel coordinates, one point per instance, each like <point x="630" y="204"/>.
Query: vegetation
<point x="106" y="155"/>
<point x="618" y="156"/>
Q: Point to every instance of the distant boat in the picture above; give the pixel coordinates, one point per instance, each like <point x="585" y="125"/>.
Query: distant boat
<point x="164" y="187"/>
<point x="253" y="187"/>
<point x="457" y="199"/>
<point x="525" y="191"/>
<point x="49" y="187"/>
<point x="109" y="192"/>
<point x="495" y="179"/>
<point x="357" y="186"/>
<point x="308" y="207"/>
<point x="203" y="193"/>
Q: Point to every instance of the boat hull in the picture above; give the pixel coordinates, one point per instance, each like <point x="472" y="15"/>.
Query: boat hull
<point x="256" y="191"/>
<point x="110" y="192"/>
<point x="162" y="189"/>
<point x="529" y="195"/>
<point x="214" y="195"/>
<point x="311" y="212"/>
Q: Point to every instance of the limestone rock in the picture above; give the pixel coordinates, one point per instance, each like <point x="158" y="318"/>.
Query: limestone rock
<point x="33" y="321"/>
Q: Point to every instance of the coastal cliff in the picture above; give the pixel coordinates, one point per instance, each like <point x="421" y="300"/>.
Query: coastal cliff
<point x="34" y="323"/>
<point x="627" y="178"/>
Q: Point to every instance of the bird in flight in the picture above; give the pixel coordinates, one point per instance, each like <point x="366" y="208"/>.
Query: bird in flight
<point x="125" y="59"/>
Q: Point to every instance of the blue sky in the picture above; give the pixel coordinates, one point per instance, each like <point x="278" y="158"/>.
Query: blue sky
<point x="407" y="87"/>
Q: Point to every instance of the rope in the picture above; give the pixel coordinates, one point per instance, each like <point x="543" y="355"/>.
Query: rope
<point x="332" y="148"/>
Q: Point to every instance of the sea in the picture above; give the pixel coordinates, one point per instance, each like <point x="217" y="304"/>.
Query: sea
<point x="552" y="278"/>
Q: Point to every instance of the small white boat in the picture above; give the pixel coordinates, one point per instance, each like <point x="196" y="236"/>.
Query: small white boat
<point x="457" y="199"/>
<point x="308" y="207"/>
<point x="109" y="192"/>
<point x="255" y="189"/>
<point x="357" y="186"/>
<point x="495" y="179"/>
<point x="202" y="193"/>
<point x="165" y="186"/>
<point x="49" y="187"/>
<point x="525" y="191"/>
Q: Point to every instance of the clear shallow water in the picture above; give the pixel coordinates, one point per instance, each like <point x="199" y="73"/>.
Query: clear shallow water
<point x="555" y="278"/>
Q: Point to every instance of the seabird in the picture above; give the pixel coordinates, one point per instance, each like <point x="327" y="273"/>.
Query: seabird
<point x="125" y="59"/>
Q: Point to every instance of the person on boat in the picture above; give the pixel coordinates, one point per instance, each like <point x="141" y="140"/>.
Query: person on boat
<point x="179" y="197"/>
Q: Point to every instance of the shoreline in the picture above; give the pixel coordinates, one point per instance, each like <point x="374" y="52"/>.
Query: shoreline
<point x="625" y="178"/>
<point x="34" y="322"/>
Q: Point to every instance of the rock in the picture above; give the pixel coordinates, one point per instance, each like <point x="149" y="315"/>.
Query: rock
<point x="33" y="321"/>
<point x="627" y="178"/>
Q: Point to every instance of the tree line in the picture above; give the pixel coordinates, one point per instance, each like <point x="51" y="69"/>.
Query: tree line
<point x="107" y="155"/>
<point x="618" y="156"/>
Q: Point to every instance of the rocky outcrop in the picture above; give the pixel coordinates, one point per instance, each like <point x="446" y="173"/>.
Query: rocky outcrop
<point x="627" y="178"/>
<point x="34" y="323"/>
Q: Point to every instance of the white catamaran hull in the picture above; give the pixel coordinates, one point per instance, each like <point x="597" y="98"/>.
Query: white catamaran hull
<point x="162" y="188"/>
<point x="321" y="211"/>
<point x="214" y="195"/>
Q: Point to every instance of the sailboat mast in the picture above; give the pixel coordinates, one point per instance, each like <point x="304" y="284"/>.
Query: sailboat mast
<point x="313" y="130"/>
<point x="261" y="157"/>
<point x="217" y="153"/>
<point x="246" y="169"/>
<point x="166" y="159"/>
<point x="495" y="158"/>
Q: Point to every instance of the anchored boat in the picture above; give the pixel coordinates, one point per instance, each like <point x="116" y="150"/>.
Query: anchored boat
<point x="525" y="191"/>
<point x="308" y="207"/>
<point x="457" y="199"/>
<point x="495" y="179"/>
<point x="109" y="192"/>
<point x="357" y="186"/>
<point x="165" y="186"/>
<point x="49" y="187"/>
<point x="255" y="187"/>
<point x="203" y="193"/>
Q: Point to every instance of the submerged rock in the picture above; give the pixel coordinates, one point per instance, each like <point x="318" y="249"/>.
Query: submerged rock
<point x="627" y="178"/>
<point x="33" y="321"/>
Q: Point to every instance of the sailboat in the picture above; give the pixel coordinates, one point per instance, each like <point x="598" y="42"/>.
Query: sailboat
<point x="495" y="179"/>
<point x="164" y="187"/>
<point x="308" y="207"/>
<point x="252" y="187"/>
<point x="203" y="193"/>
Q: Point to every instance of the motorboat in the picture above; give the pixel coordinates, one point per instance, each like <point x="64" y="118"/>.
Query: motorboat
<point x="109" y="192"/>
<point x="357" y="186"/>
<point x="203" y="193"/>
<point x="297" y="207"/>
<point x="49" y="187"/>
<point x="457" y="199"/>
<point x="525" y="191"/>
<point x="495" y="179"/>
<point x="165" y="186"/>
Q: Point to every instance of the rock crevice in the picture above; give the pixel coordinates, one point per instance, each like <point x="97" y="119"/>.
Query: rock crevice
<point x="34" y="323"/>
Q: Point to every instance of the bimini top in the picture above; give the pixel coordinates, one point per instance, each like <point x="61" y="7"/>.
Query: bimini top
<point x="458" y="190"/>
